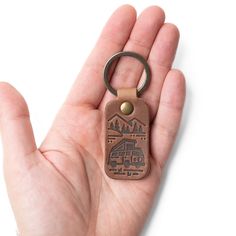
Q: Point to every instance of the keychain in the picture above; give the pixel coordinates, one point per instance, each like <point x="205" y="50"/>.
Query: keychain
<point x="127" y="127"/>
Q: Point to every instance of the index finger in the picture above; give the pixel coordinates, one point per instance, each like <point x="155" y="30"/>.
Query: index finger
<point x="112" y="39"/>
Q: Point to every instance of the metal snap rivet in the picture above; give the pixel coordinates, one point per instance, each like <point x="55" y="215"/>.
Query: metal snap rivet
<point x="126" y="108"/>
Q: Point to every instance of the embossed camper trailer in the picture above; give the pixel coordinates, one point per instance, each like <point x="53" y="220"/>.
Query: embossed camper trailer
<point x="125" y="153"/>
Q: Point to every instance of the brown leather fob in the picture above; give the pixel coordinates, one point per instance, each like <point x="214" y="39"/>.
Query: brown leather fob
<point x="127" y="136"/>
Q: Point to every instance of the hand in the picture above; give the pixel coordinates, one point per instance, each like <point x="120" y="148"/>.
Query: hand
<point x="60" y="188"/>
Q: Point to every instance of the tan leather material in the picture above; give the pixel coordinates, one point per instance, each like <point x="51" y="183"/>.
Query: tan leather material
<point x="127" y="93"/>
<point x="127" y="138"/>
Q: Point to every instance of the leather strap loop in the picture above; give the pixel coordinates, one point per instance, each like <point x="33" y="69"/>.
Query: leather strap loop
<point x="127" y="93"/>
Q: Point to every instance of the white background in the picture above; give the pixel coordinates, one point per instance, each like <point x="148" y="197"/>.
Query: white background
<point x="42" y="47"/>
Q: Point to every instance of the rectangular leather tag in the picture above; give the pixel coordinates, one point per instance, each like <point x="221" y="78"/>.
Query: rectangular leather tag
<point x="127" y="139"/>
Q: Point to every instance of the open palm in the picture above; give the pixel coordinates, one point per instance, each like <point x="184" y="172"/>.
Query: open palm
<point x="61" y="188"/>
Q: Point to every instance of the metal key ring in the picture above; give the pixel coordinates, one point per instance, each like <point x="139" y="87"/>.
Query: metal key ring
<point x="130" y="54"/>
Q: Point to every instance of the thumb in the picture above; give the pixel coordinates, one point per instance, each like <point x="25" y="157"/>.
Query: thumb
<point x="16" y="130"/>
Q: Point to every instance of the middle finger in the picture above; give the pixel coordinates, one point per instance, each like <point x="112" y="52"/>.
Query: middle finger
<point x="128" y="71"/>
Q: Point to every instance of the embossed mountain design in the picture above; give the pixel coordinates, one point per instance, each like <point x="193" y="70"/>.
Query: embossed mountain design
<point x="119" y="125"/>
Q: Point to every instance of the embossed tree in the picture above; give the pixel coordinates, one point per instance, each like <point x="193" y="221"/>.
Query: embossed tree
<point x="123" y="129"/>
<point x="117" y="126"/>
<point x="135" y="129"/>
<point x="112" y="126"/>
<point x="140" y="130"/>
